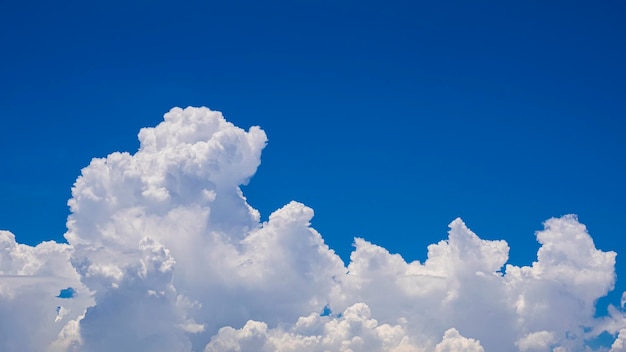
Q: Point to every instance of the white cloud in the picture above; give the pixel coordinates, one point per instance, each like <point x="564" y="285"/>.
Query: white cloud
<point x="620" y="343"/>
<point x="453" y="341"/>
<point x="536" y="341"/>
<point x="166" y="254"/>
<point x="31" y="278"/>
<point x="354" y="331"/>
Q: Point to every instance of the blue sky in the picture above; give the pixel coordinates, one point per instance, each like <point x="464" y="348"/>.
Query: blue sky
<point x="389" y="119"/>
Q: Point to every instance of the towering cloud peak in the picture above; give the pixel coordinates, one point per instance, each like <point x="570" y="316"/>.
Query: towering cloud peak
<point x="165" y="254"/>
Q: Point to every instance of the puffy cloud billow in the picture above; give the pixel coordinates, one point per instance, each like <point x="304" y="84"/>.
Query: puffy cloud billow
<point x="165" y="254"/>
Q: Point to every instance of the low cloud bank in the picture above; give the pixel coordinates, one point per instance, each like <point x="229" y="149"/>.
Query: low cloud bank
<point x="165" y="254"/>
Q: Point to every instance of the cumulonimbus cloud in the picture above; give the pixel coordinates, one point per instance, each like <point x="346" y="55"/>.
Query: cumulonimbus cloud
<point x="165" y="254"/>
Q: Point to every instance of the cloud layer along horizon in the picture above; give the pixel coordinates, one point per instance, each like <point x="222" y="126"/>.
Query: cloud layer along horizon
<point x="165" y="254"/>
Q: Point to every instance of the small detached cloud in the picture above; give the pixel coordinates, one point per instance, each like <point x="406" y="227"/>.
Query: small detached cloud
<point x="165" y="254"/>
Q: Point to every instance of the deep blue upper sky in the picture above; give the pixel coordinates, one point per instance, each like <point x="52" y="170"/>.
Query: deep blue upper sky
<point x="389" y="118"/>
